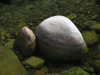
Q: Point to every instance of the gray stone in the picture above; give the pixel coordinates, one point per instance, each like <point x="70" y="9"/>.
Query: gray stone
<point x="59" y="39"/>
<point x="9" y="63"/>
<point x="26" y="41"/>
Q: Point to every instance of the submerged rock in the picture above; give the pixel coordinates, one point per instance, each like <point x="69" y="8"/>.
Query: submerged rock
<point x="35" y="62"/>
<point x="59" y="39"/>
<point x="90" y="37"/>
<point x="10" y="44"/>
<point x="95" y="27"/>
<point x="72" y="16"/>
<point x="26" y="41"/>
<point x="89" y="23"/>
<point x="75" y="71"/>
<point x="9" y="63"/>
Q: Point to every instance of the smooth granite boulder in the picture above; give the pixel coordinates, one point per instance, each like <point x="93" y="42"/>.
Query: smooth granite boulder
<point x="59" y="39"/>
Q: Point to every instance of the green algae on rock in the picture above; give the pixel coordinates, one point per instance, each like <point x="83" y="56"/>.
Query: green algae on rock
<point x="72" y="16"/>
<point x="89" y="23"/>
<point x="26" y="41"/>
<point x="10" y="44"/>
<point x="59" y="39"/>
<point x="9" y="63"/>
<point x="90" y="37"/>
<point x="35" y="62"/>
<point x="95" y="27"/>
<point x="75" y="71"/>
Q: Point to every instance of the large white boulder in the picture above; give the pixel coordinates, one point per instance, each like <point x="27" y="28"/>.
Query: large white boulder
<point x="59" y="39"/>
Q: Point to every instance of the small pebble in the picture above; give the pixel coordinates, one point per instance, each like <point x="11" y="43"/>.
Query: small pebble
<point x="72" y="16"/>
<point x="35" y="62"/>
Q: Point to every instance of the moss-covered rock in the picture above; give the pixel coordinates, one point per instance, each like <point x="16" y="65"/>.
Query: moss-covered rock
<point x="35" y="62"/>
<point x="72" y="16"/>
<point x="90" y="37"/>
<point x="10" y="44"/>
<point x="75" y="71"/>
<point x="89" y="23"/>
<point x="9" y="63"/>
<point x="95" y="27"/>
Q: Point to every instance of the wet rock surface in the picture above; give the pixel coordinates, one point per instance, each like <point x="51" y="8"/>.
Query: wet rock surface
<point x="9" y="63"/>
<point x="10" y="44"/>
<point x="90" y="37"/>
<point x="14" y="14"/>
<point x="26" y="41"/>
<point x="64" y="42"/>
<point x="35" y="62"/>
<point x="75" y="71"/>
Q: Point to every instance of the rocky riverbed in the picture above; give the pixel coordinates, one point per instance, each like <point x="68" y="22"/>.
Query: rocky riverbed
<point x="14" y="14"/>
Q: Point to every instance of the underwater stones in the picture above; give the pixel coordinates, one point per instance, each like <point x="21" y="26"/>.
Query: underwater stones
<point x="59" y="39"/>
<point x="90" y="37"/>
<point x="95" y="27"/>
<point x="72" y="16"/>
<point x="75" y="71"/>
<point x="26" y="41"/>
<point x="35" y="62"/>
<point x="89" y="23"/>
<point x="10" y="44"/>
<point x="9" y="63"/>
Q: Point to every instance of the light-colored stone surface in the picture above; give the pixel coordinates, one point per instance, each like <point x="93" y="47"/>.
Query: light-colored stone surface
<point x="59" y="39"/>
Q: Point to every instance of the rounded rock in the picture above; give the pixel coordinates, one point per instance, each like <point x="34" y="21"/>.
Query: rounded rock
<point x="59" y="39"/>
<point x="90" y="37"/>
<point x="26" y="41"/>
